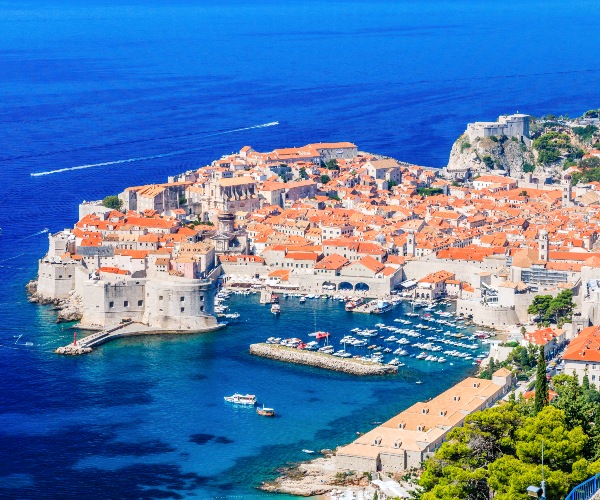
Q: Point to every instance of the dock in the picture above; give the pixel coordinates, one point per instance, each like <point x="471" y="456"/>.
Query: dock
<point x="321" y="360"/>
<point x="87" y="344"/>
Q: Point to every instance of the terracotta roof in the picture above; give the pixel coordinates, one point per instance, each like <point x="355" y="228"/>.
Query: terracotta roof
<point x="585" y="347"/>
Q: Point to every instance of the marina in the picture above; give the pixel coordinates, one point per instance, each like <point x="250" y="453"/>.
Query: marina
<point x="433" y="335"/>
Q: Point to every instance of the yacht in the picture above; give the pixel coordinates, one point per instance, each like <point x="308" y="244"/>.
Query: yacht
<point x="248" y="399"/>
<point x="382" y="306"/>
<point x="275" y="309"/>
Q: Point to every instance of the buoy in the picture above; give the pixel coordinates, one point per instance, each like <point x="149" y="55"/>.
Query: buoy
<point x="75" y="338"/>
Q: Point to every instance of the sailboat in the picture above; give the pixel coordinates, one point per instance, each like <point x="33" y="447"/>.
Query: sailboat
<point x="318" y="333"/>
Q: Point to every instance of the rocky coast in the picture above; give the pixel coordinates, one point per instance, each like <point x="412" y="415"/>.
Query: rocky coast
<point x="320" y="360"/>
<point x="69" y="309"/>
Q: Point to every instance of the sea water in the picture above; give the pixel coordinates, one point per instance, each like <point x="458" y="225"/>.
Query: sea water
<point x="97" y="82"/>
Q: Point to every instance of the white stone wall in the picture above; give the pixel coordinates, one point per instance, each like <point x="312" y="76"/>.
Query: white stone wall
<point x="358" y="464"/>
<point x="106" y="304"/>
<point x="179" y="304"/>
<point x="55" y="279"/>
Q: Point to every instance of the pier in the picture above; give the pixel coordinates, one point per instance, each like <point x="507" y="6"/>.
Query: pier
<point x="320" y="360"/>
<point x="129" y="329"/>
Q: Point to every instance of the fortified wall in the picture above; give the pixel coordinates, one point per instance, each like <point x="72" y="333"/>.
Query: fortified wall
<point x="170" y="303"/>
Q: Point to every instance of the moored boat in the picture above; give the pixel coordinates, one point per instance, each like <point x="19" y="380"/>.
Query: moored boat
<point x="275" y="309"/>
<point x="382" y="306"/>
<point x="353" y="304"/>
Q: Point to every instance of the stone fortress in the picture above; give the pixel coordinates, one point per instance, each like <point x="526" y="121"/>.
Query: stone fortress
<point x="106" y="295"/>
<point x="516" y="125"/>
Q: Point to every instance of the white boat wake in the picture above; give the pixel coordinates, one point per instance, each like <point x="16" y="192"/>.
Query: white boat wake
<point x="151" y="157"/>
<point x="45" y="230"/>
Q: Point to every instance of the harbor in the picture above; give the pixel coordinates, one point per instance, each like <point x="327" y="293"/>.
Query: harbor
<point x="405" y="331"/>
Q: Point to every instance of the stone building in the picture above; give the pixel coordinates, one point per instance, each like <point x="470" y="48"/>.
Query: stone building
<point x="408" y="439"/>
<point x="516" y="125"/>
<point x="223" y="195"/>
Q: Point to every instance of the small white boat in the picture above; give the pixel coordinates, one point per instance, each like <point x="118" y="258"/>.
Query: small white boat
<point x="310" y="452"/>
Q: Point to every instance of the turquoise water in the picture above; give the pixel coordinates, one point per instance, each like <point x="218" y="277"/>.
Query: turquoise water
<point x="84" y="83"/>
<point x="158" y="401"/>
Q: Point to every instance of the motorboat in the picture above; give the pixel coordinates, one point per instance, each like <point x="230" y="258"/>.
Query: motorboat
<point x="266" y="412"/>
<point x="382" y="306"/>
<point x="240" y="399"/>
<point x="275" y="309"/>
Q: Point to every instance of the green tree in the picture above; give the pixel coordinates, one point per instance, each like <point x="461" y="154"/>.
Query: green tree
<point x="541" y="383"/>
<point x="182" y="200"/>
<point x="113" y="202"/>
<point x="391" y="184"/>
<point x="325" y="179"/>
<point x="550" y="146"/>
<point x="302" y="173"/>
<point x="585" y="133"/>
<point x="528" y="168"/>
<point x="429" y="191"/>
<point x="540" y="305"/>
<point x="332" y="164"/>
<point x="489" y="163"/>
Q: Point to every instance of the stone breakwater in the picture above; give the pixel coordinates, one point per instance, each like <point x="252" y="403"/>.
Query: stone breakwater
<point x="320" y="360"/>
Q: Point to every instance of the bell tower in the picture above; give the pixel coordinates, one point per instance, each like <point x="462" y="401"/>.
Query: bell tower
<point x="543" y="245"/>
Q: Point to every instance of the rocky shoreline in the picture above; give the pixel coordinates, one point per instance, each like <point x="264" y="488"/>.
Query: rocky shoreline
<point x="317" y="477"/>
<point x="320" y="360"/>
<point x="69" y="309"/>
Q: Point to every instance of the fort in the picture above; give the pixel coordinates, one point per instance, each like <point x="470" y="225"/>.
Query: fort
<point x="516" y="125"/>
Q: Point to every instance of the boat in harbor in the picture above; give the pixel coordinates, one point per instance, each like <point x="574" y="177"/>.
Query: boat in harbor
<point x="240" y="399"/>
<point x="353" y="304"/>
<point x="382" y="306"/>
<point x="275" y="308"/>
<point x="266" y="412"/>
<point x="302" y="299"/>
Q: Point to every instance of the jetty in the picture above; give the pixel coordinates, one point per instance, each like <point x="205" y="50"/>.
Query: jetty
<point x="127" y="329"/>
<point x="320" y="360"/>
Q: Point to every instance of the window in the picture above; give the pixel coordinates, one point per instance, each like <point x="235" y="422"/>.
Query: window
<point x="202" y="308"/>
<point x="593" y="378"/>
<point x="181" y="299"/>
<point x="140" y="303"/>
<point x="125" y="303"/>
<point x="201" y="298"/>
<point x="182" y="309"/>
<point x="111" y="304"/>
<point x="593" y="367"/>
<point x="160" y="297"/>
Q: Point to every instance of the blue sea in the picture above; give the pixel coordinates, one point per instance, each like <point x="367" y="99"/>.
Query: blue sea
<point x="83" y="83"/>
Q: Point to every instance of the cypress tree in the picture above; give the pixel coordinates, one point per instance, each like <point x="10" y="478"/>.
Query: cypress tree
<point x="541" y="383"/>
<point x="585" y="383"/>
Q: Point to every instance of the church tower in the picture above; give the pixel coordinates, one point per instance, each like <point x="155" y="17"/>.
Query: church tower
<point x="567" y="194"/>
<point x="410" y="243"/>
<point x="543" y="245"/>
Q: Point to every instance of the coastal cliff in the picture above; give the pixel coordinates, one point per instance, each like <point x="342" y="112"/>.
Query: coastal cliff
<point x="491" y="153"/>
<point x="320" y="360"/>
<point x="69" y="309"/>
